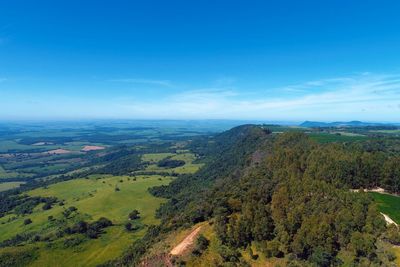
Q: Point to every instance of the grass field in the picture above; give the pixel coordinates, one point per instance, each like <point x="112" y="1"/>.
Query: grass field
<point x="156" y="157"/>
<point x="94" y="197"/>
<point x="9" y="185"/>
<point x="330" y="138"/>
<point x="189" y="166"/>
<point x="387" y="131"/>
<point x="5" y="174"/>
<point x="388" y="204"/>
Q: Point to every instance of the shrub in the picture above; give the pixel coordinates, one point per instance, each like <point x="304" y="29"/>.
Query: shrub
<point x="134" y="215"/>
<point x="46" y="206"/>
<point x="128" y="226"/>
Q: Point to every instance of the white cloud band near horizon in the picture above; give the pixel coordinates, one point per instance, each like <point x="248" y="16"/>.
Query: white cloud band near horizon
<point x="368" y="97"/>
<point x="365" y="97"/>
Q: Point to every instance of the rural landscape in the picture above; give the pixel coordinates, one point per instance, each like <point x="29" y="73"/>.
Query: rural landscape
<point x="199" y="133"/>
<point x="160" y="193"/>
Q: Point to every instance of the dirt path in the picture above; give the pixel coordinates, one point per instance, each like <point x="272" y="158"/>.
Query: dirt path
<point x="388" y="219"/>
<point x="181" y="247"/>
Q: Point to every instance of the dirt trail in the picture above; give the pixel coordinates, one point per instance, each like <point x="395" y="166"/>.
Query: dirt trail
<point x="389" y="220"/>
<point x="181" y="247"/>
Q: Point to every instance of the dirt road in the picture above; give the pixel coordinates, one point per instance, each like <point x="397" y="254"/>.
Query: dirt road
<point x="189" y="240"/>
<point x="388" y="219"/>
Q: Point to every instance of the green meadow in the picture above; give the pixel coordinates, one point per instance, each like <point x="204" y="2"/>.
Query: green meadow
<point x="331" y="137"/>
<point x="94" y="197"/>
<point x="388" y="204"/>
<point x="188" y="158"/>
<point x="9" y="185"/>
<point x="6" y="174"/>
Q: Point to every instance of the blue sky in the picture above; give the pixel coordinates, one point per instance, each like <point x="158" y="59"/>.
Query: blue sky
<point x="264" y="60"/>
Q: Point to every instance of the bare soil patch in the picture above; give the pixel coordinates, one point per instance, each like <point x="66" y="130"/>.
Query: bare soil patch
<point x="188" y="241"/>
<point x="92" y="148"/>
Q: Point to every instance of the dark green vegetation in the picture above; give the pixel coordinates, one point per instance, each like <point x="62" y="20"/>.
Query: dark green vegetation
<point x="264" y="194"/>
<point x="284" y="196"/>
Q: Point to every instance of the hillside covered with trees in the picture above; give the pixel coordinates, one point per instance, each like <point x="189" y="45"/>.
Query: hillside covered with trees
<point x="285" y="196"/>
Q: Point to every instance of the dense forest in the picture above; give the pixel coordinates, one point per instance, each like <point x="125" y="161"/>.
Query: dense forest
<point x="287" y="194"/>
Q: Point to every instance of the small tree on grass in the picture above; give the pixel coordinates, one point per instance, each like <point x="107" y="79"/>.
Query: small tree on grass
<point x="27" y="221"/>
<point x="128" y="226"/>
<point x="47" y="206"/>
<point x="134" y="215"/>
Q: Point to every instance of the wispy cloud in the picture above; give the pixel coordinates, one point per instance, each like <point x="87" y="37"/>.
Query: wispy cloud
<point x="366" y="96"/>
<point x="165" y="83"/>
<point x="3" y="79"/>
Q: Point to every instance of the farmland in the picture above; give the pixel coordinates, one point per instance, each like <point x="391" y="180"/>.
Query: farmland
<point x="73" y="197"/>
<point x="388" y="204"/>
<point x="81" y="187"/>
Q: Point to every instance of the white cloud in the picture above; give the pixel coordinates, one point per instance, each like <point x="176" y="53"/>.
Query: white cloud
<point x="366" y="97"/>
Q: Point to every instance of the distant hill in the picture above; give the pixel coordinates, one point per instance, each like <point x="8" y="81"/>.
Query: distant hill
<point x="314" y="124"/>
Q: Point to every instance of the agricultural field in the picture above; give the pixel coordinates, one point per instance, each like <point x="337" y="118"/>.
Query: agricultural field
<point x="335" y="137"/>
<point x="388" y="204"/>
<point x="81" y="176"/>
<point x="87" y="195"/>
<point x="9" y="185"/>
<point x="6" y="174"/>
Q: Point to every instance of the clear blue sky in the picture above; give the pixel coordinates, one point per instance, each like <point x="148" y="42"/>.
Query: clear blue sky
<point x="269" y="60"/>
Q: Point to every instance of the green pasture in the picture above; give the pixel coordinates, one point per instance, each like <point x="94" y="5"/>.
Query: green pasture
<point x="189" y="166"/>
<point x="388" y="204"/>
<point x="330" y="138"/>
<point x="9" y="185"/>
<point x="94" y="197"/>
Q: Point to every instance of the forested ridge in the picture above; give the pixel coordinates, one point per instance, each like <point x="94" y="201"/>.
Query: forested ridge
<point x="285" y="194"/>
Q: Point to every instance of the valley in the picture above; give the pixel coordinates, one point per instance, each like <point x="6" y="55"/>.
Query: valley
<point x="153" y="195"/>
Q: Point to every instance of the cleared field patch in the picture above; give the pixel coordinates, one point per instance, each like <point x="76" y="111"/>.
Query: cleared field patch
<point x="397" y="131"/>
<point x="94" y="197"/>
<point x="330" y="138"/>
<point x="347" y="133"/>
<point x="58" y="151"/>
<point x="9" y="185"/>
<point x="6" y="174"/>
<point x="388" y="204"/>
<point x="189" y="166"/>
<point x="156" y="157"/>
<point x="98" y="199"/>
<point x="92" y="148"/>
<point x="188" y="158"/>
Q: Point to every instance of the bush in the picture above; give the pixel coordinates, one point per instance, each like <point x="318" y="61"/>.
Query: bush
<point x="201" y="245"/>
<point x="170" y="163"/>
<point x="134" y="215"/>
<point x="272" y="249"/>
<point x="47" y="206"/>
<point x="128" y="226"/>
<point x="27" y="221"/>
<point x="17" y="258"/>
